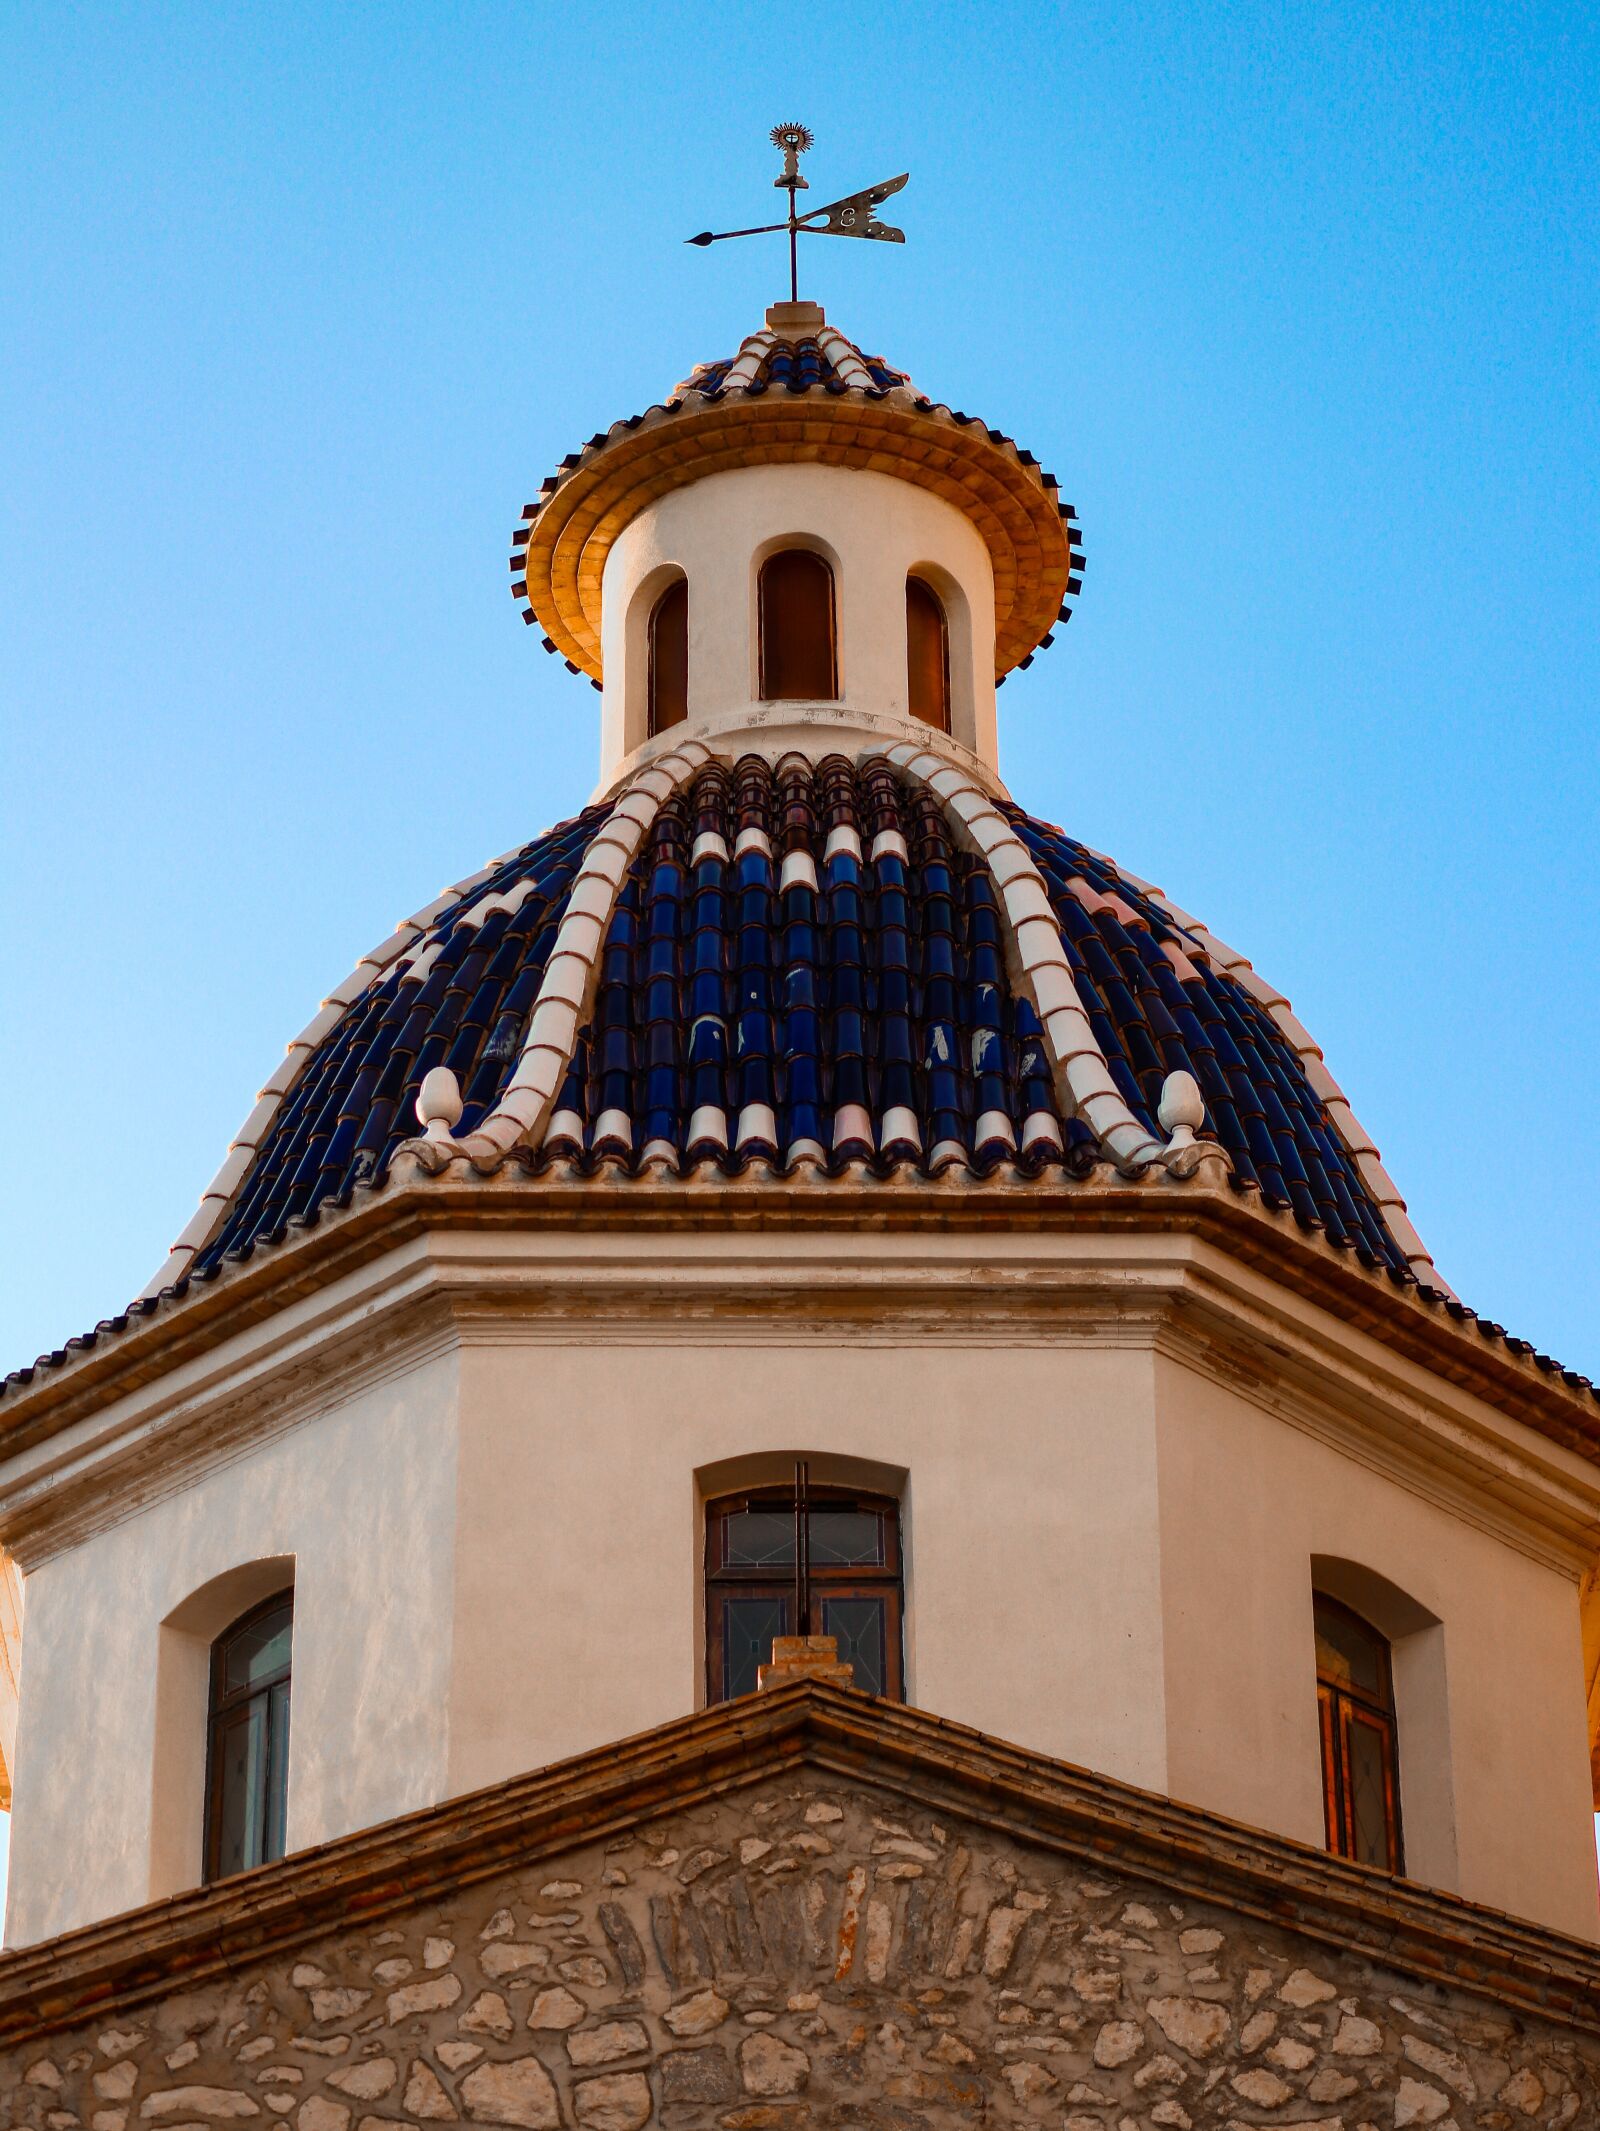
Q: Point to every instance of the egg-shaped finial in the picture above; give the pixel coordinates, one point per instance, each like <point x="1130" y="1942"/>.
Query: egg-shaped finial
<point x="439" y="1103"/>
<point x="1182" y="1108"/>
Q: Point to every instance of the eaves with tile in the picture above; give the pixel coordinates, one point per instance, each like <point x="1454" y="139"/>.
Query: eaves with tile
<point x="788" y="986"/>
<point x="875" y="971"/>
<point x="735" y="971"/>
<point x="797" y="392"/>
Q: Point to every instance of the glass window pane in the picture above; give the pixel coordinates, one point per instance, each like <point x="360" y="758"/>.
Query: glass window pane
<point x="276" y="1815"/>
<point x="1350" y="1653"/>
<point x="1369" y="1807"/>
<point x="858" y="1624"/>
<point x="759" y="1538"/>
<point x="242" y="1751"/>
<point x="846" y="1537"/>
<point x="258" y="1650"/>
<point x="748" y="1626"/>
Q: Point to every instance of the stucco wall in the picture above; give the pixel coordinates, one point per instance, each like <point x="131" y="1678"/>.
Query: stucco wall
<point x="1032" y="1572"/>
<point x="498" y="1559"/>
<point x="1248" y="1501"/>
<point x="872" y="528"/>
<point x="1109" y="1560"/>
<point x="362" y="1499"/>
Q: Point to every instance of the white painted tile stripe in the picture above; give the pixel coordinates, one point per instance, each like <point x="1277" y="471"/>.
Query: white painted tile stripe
<point x="562" y="1004"/>
<point x="845" y="358"/>
<point x="1084" y="1087"/>
<point x="218" y="1194"/>
<point x="752" y="352"/>
<point x="1356" y="1139"/>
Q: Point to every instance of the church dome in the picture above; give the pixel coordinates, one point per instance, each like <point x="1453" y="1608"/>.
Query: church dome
<point x="818" y="937"/>
<point x="805" y="963"/>
<point x="802" y="938"/>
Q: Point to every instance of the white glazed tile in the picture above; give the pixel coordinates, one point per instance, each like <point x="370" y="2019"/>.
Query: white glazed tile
<point x="1038" y="943"/>
<point x="580" y="936"/>
<point x="254" y="1129"/>
<point x="1089" y="1079"/>
<point x="1054" y="990"/>
<point x="851" y="1122"/>
<point x="565" y="977"/>
<point x="1024" y="894"/>
<point x="758" y="1124"/>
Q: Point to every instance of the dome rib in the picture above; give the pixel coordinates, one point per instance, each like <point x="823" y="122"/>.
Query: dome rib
<point x="831" y="962"/>
<point x="335" y="1110"/>
<point x="1351" y="1136"/>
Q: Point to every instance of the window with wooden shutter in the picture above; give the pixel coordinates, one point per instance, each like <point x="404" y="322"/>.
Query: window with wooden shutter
<point x="1360" y="1754"/>
<point x="798" y="658"/>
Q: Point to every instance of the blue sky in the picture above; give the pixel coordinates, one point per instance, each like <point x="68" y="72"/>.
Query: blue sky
<point x="302" y="302"/>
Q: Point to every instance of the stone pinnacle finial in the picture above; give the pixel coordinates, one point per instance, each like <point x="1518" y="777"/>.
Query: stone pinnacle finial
<point x="1182" y="1108"/>
<point x="439" y="1104"/>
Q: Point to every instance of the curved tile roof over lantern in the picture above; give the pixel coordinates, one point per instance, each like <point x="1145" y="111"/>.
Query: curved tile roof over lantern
<point x="798" y="393"/>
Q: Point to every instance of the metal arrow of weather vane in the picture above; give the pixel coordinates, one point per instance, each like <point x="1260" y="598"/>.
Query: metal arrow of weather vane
<point x="853" y="216"/>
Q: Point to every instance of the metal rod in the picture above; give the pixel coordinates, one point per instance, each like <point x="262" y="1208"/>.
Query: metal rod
<point x="720" y="236"/>
<point x="802" y="1547"/>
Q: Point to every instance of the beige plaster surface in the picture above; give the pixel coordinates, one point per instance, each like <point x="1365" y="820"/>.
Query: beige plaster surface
<point x="1109" y="1560"/>
<point x="1120" y="1457"/>
<point x="362" y="1501"/>
<point x="872" y="528"/>
<point x="1247" y="1507"/>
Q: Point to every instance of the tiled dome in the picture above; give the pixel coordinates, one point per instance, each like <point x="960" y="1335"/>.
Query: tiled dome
<point x="802" y="961"/>
<point x="804" y="966"/>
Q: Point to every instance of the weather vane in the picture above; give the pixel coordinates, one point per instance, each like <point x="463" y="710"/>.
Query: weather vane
<point x="853" y="216"/>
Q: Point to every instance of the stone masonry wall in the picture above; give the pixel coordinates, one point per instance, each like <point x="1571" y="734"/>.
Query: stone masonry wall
<point x="810" y="1952"/>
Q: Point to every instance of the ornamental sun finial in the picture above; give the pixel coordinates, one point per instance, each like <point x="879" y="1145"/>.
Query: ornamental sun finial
<point x="853" y="216"/>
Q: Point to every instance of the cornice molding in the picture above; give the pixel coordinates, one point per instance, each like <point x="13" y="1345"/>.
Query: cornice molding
<point x="1126" y="1268"/>
<point x="343" y="1240"/>
<point x="107" y="1970"/>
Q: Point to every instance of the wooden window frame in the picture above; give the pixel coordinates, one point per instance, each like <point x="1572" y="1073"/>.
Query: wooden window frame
<point x="1341" y="1708"/>
<point x="941" y="724"/>
<point x="654" y="722"/>
<point x="765" y="676"/>
<point x="885" y="1581"/>
<point x="222" y="1708"/>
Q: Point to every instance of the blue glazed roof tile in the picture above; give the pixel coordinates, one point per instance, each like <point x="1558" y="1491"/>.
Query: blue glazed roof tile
<point x="1150" y="1022"/>
<point x="723" y="994"/>
<point x="330" y="1133"/>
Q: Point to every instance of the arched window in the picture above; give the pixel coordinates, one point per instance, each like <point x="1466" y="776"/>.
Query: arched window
<point x="1360" y="1764"/>
<point x="669" y="657"/>
<point x="797" y="649"/>
<point x="927" y="655"/>
<point x="847" y="1584"/>
<point x="247" y="1757"/>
